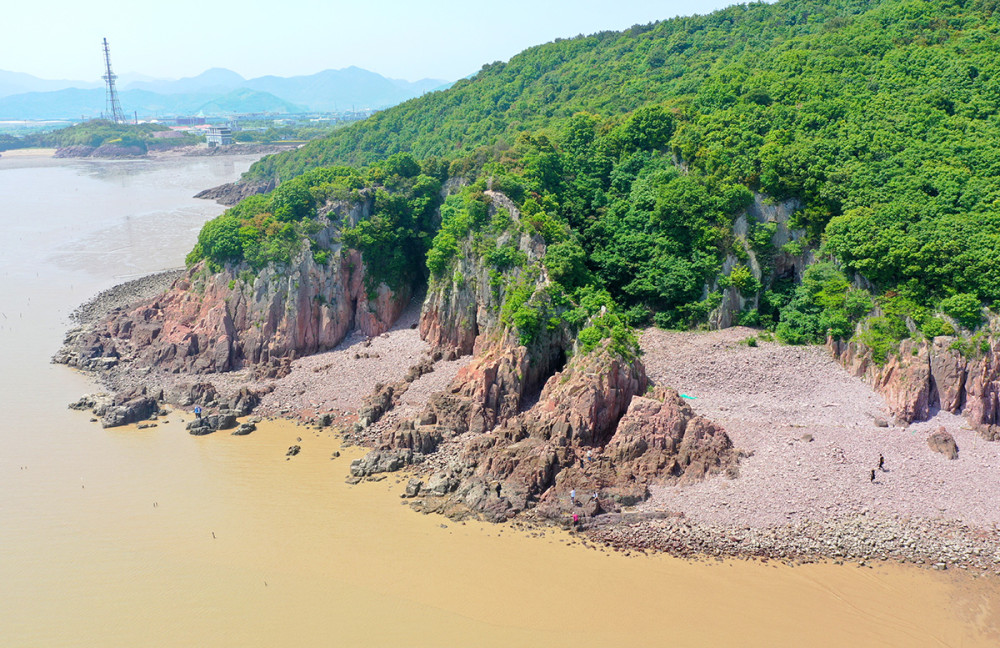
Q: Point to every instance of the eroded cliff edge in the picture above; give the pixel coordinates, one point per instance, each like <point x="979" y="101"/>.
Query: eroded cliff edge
<point x="946" y="373"/>
<point x="237" y="318"/>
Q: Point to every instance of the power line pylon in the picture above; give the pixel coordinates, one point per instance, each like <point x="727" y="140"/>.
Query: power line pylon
<point x="113" y="107"/>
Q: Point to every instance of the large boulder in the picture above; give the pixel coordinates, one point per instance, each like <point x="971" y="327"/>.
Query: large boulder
<point x="942" y="441"/>
<point x="132" y="410"/>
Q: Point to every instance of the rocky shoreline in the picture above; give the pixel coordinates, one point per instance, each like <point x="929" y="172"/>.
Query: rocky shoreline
<point x="124" y="294"/>
<point x="746" y="517"/>
<point x="861" y="539"/>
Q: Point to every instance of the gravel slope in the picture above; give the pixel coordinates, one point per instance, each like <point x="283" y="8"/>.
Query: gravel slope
<point x="770" y="397"/>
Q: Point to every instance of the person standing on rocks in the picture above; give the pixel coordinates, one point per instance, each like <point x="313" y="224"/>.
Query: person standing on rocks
<point x="572" y="496"/>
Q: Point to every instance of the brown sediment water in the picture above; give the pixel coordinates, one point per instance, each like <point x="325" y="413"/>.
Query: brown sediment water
<point x="129" y="537"/>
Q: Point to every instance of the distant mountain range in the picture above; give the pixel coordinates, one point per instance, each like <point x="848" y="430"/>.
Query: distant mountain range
<point x="215" y="92"/>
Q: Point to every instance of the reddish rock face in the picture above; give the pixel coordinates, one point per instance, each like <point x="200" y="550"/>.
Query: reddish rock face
<point x="661" y="438"/>
<point x="982" y="394"/>
<point x="218" y="322"/>
<point x="589" y="432"/>
<point x="922" y="377"/>
<point x="904" y="380"/>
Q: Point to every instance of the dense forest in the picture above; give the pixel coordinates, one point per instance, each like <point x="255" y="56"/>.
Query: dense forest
<point x="633" y="152"/>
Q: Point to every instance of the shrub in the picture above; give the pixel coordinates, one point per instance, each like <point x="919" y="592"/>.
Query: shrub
<point x="965" y="308"/>
<point x="744" y="281"/>
<point x="935" y="326"/>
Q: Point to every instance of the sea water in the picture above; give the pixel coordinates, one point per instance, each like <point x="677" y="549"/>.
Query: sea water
<point x="153" y="537"/>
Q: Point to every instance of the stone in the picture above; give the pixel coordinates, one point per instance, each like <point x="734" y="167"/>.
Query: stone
<point x="942" y="441"/>
<point x="441" y="484"/>
<point x="131" y="411"/>
<point x="413" y="488"/>
<point x="382" y="461"/>
<point x="293" y="450"/>
<point x="201" y="429"/>
<point x="244" y="429"/>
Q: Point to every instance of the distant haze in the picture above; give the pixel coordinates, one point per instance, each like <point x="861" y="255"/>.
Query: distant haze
<point x="412" y="40"/>
<point x="215" y="92"/>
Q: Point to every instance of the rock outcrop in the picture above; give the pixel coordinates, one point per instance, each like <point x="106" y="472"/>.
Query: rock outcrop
<point x="922" y="377"/>
<point x="589" y="433"/>
<point x="129" y="409"/>
<point x="660" y="437"/>
<point x="904" y="379"/>
<point x="233" y="192"/>
<point x="520" y="427"/>
<point x="202" y="425"/>
<point x="215" y="322"/>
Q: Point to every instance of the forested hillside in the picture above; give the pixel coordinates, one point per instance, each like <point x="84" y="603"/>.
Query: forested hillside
<point x="633" y="152"/>
<point x="94" y="133"/>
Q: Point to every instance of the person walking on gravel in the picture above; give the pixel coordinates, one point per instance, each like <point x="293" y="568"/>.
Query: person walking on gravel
<point x="881" y="463"/>
<point x="873" y="476"/>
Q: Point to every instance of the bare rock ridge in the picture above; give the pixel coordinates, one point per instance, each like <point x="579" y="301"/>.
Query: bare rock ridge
<point x="232" y="192"/>
<point x="923" y="377"/>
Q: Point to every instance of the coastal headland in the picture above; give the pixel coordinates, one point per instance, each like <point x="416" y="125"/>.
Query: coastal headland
<point x="719" y="443"/>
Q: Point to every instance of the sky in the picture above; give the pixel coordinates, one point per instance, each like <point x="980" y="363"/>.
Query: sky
<point x="415" y="39"/>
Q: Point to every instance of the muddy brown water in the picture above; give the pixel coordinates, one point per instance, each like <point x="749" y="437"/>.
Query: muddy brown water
<point x="153" y="537"/>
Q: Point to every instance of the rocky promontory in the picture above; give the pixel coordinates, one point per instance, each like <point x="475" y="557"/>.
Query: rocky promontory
<point x="694" y="444"/>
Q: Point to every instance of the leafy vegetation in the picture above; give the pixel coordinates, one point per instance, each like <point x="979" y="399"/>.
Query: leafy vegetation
<point x="631" y="154"/>
<point x="96" y="133"/>
<point x="272" y="228"/>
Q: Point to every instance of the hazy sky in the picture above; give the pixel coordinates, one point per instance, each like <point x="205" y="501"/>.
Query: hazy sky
<point x="444" y="39"/>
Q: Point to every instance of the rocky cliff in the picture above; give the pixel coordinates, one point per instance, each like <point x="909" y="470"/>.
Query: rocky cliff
<point x="777" y="261"/>
<point x="467" y="302"/>
<point x="923" y="377"/>
<point x="520" y="427"/>
<point x="214" y="322"/>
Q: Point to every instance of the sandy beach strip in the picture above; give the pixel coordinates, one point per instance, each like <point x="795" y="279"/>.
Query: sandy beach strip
<point x="29" y="153"/>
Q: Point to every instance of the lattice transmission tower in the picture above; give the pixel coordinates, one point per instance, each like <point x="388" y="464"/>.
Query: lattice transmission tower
<point x="113" y="108"/>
